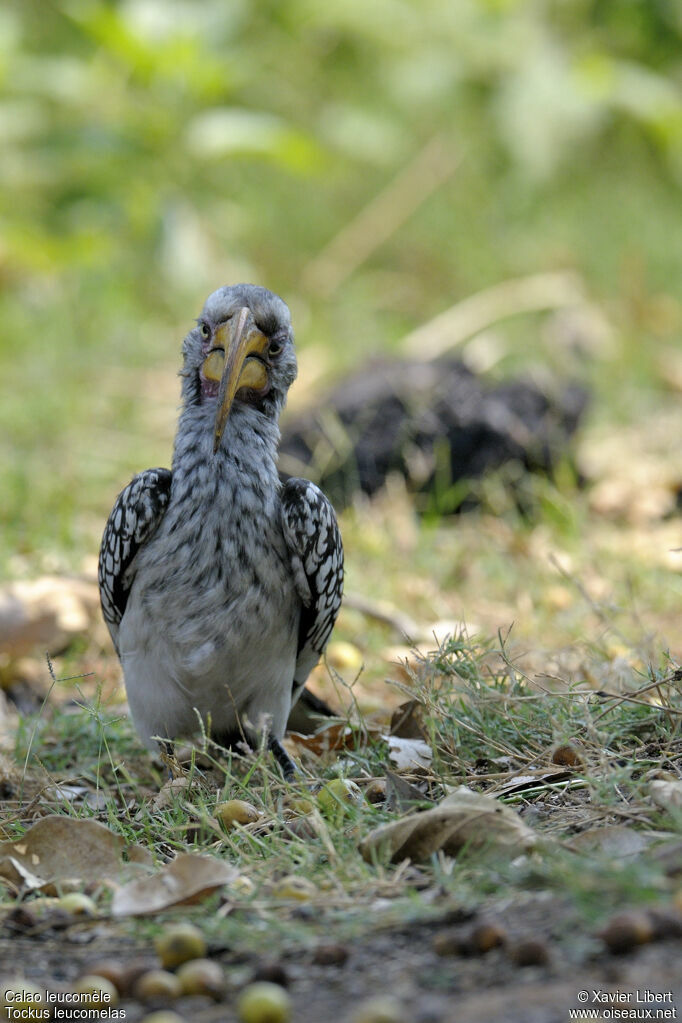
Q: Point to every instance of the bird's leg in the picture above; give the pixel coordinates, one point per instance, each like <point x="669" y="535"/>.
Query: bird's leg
<point x="232" y="740"/>
<point x="168" y="757"/>
<point x="289" y="769"/>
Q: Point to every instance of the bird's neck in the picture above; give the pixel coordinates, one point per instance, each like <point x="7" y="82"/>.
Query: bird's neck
<point x="248" y="445"/>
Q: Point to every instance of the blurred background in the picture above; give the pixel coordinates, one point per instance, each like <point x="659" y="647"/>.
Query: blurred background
<point x="376" y="164"/>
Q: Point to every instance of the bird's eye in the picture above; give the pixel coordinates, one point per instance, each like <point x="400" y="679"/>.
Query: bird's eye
<point x="275" y="347"/>
<point x="205" y="330"/>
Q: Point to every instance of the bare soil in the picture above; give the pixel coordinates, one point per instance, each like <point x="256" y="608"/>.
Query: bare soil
<point x="401" y="962"/>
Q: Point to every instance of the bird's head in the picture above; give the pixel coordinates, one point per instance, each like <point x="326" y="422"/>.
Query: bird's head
<point x="240" y="352"/>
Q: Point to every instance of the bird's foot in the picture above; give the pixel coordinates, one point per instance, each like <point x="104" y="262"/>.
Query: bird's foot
<point x="168" y="757"/>
<point x="236" y="741"/>
<point x="289" y="768"/>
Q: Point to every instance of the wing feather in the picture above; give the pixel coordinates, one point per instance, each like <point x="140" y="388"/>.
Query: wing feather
<point x="136" y="514"/>
<point x="313" y="538"/>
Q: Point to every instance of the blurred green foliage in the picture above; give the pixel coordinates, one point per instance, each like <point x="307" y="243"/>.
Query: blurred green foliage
<point x="153" y="150"/>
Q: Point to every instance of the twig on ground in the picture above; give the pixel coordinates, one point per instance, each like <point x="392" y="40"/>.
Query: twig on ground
<point x="381" y="611"/>
<point x="461" y="321"/>
<point x="628" y="698"/>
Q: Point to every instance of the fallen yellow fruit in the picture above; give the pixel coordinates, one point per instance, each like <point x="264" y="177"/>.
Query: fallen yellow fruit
<point x="179" y="943"/>
<point x="236" y="811"/>
<point x="338" y="798"/>
<point x="263" y="1002"/>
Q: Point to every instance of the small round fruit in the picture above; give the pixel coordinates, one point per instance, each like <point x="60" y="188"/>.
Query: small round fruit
<point x="202" y="977"/>
<point x="298" y="804"/>
<point x="77" y="904"/>
<point x="112" y="970"/>
<point x="242" y="886"/>
<point x="344" y="656"/>
<point x="567" y="755"/>
<point x="529" y="952"/>
<point x="375" y="792"/>
<point x="625" y="930"/>
<point x="486" y="935"/>
<point x="131" y="974"/>
<point x="330" y="954"/>
<point x="157" y="986"/>
<point x="101" y="991"/>
<point x="294" y="887"/>
<point x="338" y="797"/>
<point x="23" y="996"/>
<point x="263" y="1002"/>
<point x="179" y="943"/>
<point x="236" y="811"/>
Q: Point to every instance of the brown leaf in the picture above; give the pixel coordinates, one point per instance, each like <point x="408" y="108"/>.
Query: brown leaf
<point x="171" y="793"/>
<point x="332" y="737"/>
<point x="408" y="754"/>
<point x="667" y="793"/>
<point x="336" y="736"/>
<point x="462" y="818"/>
<point x="407" y="720"/>
<point x="188" y="878"/>
<point x="615" y="840"/>
<point x="57" y="848"/>
<point x="50" y="612"/>
<point x="402" y="794"/>
<point x="14" y="871"/>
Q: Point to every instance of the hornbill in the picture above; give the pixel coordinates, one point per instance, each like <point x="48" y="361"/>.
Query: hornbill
<point x="220" y="586"/>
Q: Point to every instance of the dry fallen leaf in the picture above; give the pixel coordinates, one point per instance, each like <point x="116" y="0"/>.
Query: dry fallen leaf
<point x="667" y="793"/>
<point x="408" y="754"/>
<point x="407" y="720"/>
<point x="614" y="840"/>
<point x="50" y="611"/>
<point x="402" y="794"/>
<point x="332" y="737"/>
<point x="462" y="818"/>
<point x="187" y="879"/>
<point x="58" y="848"/>
<point x="171" y="793"/>
<point x="337" y="736"/>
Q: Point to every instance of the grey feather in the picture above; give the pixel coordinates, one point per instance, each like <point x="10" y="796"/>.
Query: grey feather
<point x="313" y="537"/>
<point x="220" y="587"/>
<point x="136" y="514"/>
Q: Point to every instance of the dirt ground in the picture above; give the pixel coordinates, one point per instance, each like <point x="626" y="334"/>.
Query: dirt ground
<point x="402" y="962"/>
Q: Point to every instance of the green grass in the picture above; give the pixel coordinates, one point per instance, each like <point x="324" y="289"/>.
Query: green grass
<point x="119" y="220"/>
<point x="486" y="724"/>
<point x="117" y="228"/>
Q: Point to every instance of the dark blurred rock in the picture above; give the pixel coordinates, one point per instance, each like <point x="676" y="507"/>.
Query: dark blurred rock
<point x="435" y="423"/>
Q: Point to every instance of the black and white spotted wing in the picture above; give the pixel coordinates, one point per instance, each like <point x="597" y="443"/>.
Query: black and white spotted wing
<point x="313" y="538"/>
<point x="136" y="514"/>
